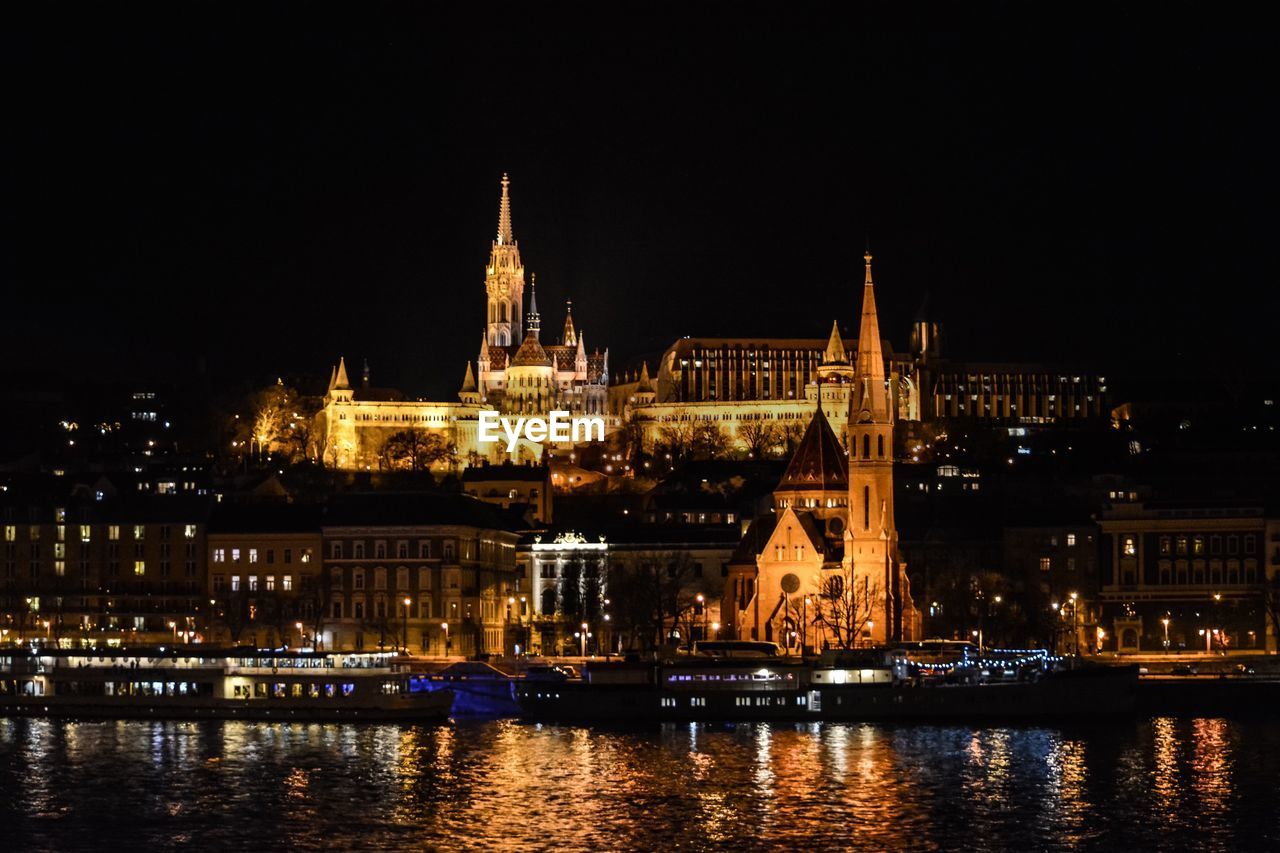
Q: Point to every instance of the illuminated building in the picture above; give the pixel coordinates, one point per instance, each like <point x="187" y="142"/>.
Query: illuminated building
<point x="452" y="558"/>
<point x="264" y="574"/>
<point x="509" y="485"/>
<point x="825" y="566"/>
<point x="737" y="382"/>
<point x="83" y="572"/>
<point x="1202" y="566"/>
<point x="515" y="372"/>
<point x="569" y="577"/>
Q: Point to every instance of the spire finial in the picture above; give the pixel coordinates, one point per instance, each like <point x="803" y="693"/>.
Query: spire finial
<point x="867" y="257"/>
<point x="570" y="335"/>
<point x="504" y="214"/>
<point x="534" y="321"/>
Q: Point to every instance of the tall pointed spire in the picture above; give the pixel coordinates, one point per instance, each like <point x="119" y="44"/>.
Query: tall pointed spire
<point x="535" y="321"/>
<point x="469" y="381"/>
<point x="570" y="337"/>
<point x="645" y="383"/>
<point x="341" y="383"/>
<point x="871" y="398"/>
<point x="835" y="353"/>
<point x="505" y="237"/>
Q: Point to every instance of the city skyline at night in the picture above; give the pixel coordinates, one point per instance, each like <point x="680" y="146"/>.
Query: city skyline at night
<point x="608" y="427"/>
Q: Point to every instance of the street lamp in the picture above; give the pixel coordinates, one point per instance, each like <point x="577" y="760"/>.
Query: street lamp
<point x="1075" y="629"/>
<point x="583" y="635"/>
<point x="174" y="627"/>
<point x="302" y="638"/>
<point x="407" y="602"/>
<point x="1165" y="623"/>
<point x="445" y="626"/>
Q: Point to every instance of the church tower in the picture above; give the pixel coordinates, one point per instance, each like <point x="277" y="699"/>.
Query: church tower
<point x="504" y="280"/>
<point x="871" y="539"/>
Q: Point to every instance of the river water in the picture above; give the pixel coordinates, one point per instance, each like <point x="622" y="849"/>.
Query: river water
<point x="1162" y="783"/>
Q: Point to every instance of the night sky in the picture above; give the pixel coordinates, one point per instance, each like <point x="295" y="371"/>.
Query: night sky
<point x="264" y="193"/>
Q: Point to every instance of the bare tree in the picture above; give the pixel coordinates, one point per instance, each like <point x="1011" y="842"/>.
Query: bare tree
<point x="709" y="440"/>
<point x="415" y="449"/>
<point x="846" y="606"/>
<point x="792" y="433"/>
<point x="1271" y="601"/>
<point x="760" y="437"/>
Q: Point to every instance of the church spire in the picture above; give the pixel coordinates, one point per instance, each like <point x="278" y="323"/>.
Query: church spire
<point x="535" y="322"/>
<point x="340" y="382"/>
<point x="871" y="399"/>
<point x="570" y="337"/>
<point x="504" y="214"/>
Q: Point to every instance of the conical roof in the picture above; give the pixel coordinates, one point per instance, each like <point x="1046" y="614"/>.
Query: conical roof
<point x="644" y="385"/>
<point x="835" y="353"/>
<point x="468" y="381"/>
<point x="819" y="463"/>
<point x="341" y="383"/>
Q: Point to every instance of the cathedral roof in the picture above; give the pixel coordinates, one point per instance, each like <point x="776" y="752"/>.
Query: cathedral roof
<point x="531" y="354"/>
<point x="819" y="463"/>
<point x="564" y="356"/>
<point x="497" y="358"/>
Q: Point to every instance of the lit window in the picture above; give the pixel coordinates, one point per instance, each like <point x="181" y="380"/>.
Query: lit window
<point x="113" y="532"/>
<point x="1045" y="564"/>
<point x="253" y="555"/>
<point x="1071" y="540"/>
<point x="253" y="583"/>
<point x="235" y="583"/>
<point x="139" y="531"/>
<point x="219" y="555"/>
<point x="86" y="533"/>
<point x="286" y="583"/>
<point x="271" y="583"/>
<point x="1129" y="546"/>
<point x="189" y="531"/>
<point x="139" y="567"/>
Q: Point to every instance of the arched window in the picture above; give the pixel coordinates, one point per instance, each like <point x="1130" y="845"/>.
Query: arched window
<point x="880" y="446"/>
<point x="866" y="446"/>
<point x="549" y="601"/>
<point x="866" y="507"/>
<point x="502" y="312"/>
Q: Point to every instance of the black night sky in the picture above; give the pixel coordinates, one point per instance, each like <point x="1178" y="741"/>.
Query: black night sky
<point x="265" y="191"/>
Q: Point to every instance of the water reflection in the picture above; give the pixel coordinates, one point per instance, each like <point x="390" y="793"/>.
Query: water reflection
<point x="505" y="785"/>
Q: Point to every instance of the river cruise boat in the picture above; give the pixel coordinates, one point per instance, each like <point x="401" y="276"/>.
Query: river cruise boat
<point x="880" y="684"/>
<point x="196" y="682"/>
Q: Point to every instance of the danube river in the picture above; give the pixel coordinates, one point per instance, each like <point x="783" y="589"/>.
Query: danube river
<point x="505" y="785"/>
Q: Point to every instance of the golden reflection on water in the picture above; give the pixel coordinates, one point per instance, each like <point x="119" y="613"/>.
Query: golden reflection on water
<point x="506" y="785"/>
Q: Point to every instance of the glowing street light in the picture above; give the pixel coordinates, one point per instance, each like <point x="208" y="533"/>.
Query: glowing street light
<point x="407" y="603"/>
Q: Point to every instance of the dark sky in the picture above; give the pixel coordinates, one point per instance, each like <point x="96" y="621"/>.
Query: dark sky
<point x="269" y="191"/>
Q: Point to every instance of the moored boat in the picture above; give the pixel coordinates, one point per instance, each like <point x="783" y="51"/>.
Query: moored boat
<point x="199" y="682"/>
<point x="478" y="689"/>
<point x="848" y="686"/>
